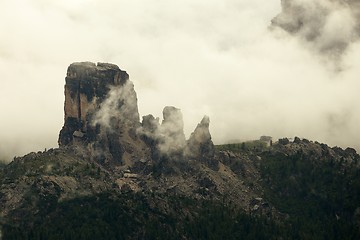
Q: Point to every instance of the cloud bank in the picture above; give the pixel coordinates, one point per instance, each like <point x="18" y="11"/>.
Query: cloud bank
<point x="328" y="26"/>
<point x="217" y="58"/>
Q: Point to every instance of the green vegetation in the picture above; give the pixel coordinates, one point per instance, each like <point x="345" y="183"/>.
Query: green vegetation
<point x="2" y="164"/>
<point x="255" y="145"/>
<point x="134" y="216"/>
<point x="33" y="165"/>
<point x="321" y="197"/>
<point x="216" y="221"/>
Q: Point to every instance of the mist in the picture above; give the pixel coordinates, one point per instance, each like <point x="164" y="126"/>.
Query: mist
<point x="120" y="101"/>
<point x="215" y="58"/>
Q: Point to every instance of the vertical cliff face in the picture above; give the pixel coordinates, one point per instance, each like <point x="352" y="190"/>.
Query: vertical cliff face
<point x="87" y="86"/>
<point x="100" y="111"/>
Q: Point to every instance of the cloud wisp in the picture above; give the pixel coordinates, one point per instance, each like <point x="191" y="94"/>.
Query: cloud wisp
<point x="329" y="27"/>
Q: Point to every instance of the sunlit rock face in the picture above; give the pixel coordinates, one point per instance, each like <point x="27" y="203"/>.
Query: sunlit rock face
<point x="101" y="111"/>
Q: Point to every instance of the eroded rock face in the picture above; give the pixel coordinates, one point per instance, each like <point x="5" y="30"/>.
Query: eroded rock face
<point x="101" y="112"/>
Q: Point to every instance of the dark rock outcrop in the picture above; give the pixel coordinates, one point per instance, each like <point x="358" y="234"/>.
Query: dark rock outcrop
<point x="284" y="141"/>
<point x="297" y="140"/>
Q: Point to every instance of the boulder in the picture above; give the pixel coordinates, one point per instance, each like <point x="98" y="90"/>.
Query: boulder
<point x="297" y="140"/>
<point x="284" y="141"/>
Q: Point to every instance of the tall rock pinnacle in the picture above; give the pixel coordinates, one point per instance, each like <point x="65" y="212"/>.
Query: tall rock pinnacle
<point x="100" y="110"/>
<point x="200" y="144"/>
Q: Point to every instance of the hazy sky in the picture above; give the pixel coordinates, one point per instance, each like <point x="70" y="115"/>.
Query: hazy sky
<point x="217" y="58"/>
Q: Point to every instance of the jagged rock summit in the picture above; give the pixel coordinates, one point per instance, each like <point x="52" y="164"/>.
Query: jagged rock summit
<point x="101" y="115"/>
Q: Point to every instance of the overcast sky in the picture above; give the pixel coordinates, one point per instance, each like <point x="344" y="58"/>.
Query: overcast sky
<point x="218" y="58"/>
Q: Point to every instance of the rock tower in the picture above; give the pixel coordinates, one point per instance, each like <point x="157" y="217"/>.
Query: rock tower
<point x="101" y="111"/>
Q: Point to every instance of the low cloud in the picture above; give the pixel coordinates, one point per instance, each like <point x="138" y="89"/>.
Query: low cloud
<point x="328" y="27"/>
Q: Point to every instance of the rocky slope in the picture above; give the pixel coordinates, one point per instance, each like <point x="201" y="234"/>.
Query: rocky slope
<point x="148" y="173"/>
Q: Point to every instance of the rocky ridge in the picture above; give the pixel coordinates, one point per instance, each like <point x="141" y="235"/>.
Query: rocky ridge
<point x="104" y="148"/>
